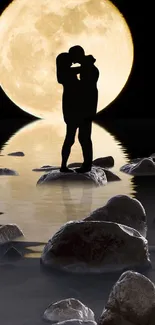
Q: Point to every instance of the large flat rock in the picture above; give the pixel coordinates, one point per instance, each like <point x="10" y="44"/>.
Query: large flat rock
<point x="96" y="247"/>
<point x="96" y="176"/>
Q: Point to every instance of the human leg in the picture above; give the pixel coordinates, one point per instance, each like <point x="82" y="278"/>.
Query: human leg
<point x="84" y="137"/>
<point x="66" y="148"/>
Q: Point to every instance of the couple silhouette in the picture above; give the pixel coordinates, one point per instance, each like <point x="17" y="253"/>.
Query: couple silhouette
<point x="79" y="102"/>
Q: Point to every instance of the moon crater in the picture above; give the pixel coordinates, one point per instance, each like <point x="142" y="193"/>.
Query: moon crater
<point x="31" y="36"/>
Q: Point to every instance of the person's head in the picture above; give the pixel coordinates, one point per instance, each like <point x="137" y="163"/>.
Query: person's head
<point x="77" y="54"/>
<point x="89" y="59"/>
<point x="63" y="60"/>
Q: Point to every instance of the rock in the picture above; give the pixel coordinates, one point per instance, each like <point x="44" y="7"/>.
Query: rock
<point x="7" y="171"/>
<point x="131" y="301"/>
<point x="96" y="247"/>
<point x="144" y="167"/>
<point x="76" y="322"/>
<point x="74" y="165"/>
<point x="111" y="177"/>
<point x="124" y="210"/>
<point x="96" y="176"/>
<point x="17" y="154"/>
<point x="105" y="162"/>
<point x="11" y="252"/>
<point x="68" y="309"/>
<point x="9" y="232"/>
<point x="46" y="168"/>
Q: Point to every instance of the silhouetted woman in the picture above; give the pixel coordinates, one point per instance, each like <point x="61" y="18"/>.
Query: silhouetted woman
<point x="70" y="103"/>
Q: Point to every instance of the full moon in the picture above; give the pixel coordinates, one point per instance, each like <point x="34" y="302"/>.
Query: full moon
<point x="33" y="33"/>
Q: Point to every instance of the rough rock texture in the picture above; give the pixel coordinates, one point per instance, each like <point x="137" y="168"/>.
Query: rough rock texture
<point x="131" y="301"/>
<point x="76" y="322"/>
<point x="144" y="167"/>
<point x="105" y="162"/>
<point x="17" y="154"/>
<point x="124" y="210"/>
<point x="96" y="247"/>
<point x="9" y="232"/>
<point x="7" y="171"/>
<point x="68" y="309"/>
<point x="96" y="176"/>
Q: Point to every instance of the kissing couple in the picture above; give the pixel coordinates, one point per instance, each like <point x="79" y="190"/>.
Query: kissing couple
<point x="79" y="102"/>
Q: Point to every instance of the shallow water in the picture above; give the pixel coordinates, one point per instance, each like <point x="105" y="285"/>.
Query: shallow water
<point x="26" y="289"/>
<point x="40" y="211"/>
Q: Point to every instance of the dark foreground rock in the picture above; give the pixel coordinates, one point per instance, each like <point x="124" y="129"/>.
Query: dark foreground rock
<point x="7" y="171"/>
<point x="96" y="176"/>
<point x="122" y="209"/>
<point x="68" y="309"/>
<point x="17" y="154"/>
<point x="9" y="232"/>
<point x="143" y="167"/>
<point x="96" y="247"/>
<point x="131" y="301"/>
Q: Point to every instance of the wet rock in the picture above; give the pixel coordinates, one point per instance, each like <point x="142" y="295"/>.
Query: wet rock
<point x="96" y="247"/>
<point x="68" y="309"/>
<point x="17" y="154"/>
<point x="144" y="167"/>
<point x="7" y="171"/>
<point x="76" y="322"/>
<point x="9" y="232"/>
<point x="131" y="301"/>
<point x="96" y="176"/>
<point x="124" y="210"/>
<point x="104" y="162"/>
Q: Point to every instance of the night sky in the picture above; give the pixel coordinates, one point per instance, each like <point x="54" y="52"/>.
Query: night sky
<point x="130" y="103"/>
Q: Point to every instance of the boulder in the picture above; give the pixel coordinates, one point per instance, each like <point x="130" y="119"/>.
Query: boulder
<point x="131" y="301"/>
<point x="124" y="210"/>
<point x="17" y="154"/>
<point x="7" y="171"/>
<point x="68" y="309"/>
<point x="96" y="176"/>
<point x="96" y="247"/>
<point x="144" y="167"/>
<point x="9" y="232"/>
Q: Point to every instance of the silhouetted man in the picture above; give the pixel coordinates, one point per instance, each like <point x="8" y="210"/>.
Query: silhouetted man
<point x="79" y="105"/>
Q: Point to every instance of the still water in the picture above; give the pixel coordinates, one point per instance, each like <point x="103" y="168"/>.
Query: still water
<point x="40" y="210"/>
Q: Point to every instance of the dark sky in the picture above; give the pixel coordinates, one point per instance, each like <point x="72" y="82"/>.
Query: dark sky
<point x="130" y="103"/>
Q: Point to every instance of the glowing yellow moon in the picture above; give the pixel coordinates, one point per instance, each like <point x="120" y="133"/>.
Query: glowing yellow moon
<point x="33" y="33"/>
